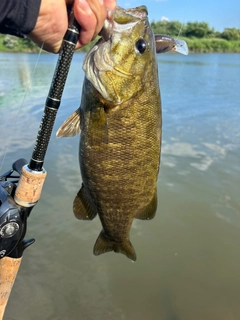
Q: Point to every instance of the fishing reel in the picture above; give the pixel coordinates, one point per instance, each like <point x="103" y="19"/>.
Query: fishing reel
<point x="13" y="218"/>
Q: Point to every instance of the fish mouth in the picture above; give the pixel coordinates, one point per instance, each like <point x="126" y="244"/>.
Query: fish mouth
<point x="105" y="32"/>
<point x="120" y="19"/>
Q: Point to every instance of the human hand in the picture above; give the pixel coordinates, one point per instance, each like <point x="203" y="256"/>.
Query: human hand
<point x="52" y="21"/>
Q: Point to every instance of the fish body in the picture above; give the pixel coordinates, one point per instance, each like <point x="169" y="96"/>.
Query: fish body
<point x="120" y="122"/>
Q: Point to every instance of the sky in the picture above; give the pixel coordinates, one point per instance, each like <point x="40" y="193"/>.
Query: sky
<point x="219" y="14"/>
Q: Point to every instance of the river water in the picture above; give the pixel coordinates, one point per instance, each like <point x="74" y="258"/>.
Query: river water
<point x="188" y="256"/>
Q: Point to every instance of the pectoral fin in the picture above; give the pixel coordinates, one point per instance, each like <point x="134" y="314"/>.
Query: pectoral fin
<point x="149" y="212"/>
<point x="82" y="208"/>
<point x="104" y="245"/>
<point x="71" y="126"/>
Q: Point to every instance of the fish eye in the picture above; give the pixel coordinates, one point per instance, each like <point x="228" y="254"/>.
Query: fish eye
<point x="141" y="46"/>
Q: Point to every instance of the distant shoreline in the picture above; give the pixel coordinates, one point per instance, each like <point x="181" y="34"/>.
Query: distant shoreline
<point x="195" y="45"/>
<point x="212" y="45"/>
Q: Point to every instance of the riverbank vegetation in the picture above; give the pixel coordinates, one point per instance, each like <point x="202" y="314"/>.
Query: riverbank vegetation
<point x="198" y="35"/>
<point x="13" y="44"/>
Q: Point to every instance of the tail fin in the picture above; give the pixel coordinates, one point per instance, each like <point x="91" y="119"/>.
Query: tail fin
<point x="103" y="245"/>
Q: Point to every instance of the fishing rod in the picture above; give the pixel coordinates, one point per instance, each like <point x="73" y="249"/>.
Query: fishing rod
<point x="20" y="187"/>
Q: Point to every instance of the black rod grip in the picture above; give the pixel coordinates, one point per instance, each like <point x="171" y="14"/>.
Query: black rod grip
<point x="55" y="94"/>
<point x="61" y="71"/>
<point x="43" y="137"/>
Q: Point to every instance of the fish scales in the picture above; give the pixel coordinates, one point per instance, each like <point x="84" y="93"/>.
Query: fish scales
<point x="120" y="123"/>
<point x="121" y="174"/>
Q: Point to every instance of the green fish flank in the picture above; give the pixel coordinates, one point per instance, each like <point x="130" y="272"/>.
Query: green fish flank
<point x="120" y="123"/>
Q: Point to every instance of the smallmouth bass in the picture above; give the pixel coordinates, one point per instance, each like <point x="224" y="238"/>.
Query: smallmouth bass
<point x="120" y="123"/>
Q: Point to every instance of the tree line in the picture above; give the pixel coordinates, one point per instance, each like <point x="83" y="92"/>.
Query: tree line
<point x="200" y="37"/>
<point x="194" y="30"/>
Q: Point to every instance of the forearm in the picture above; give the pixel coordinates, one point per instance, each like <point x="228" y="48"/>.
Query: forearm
<point x="18" y="17"/>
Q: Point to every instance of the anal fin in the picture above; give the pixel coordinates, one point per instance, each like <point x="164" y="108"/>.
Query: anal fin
<point x="82" y="208"/>
<point x="149" y="212"/>
<point x="103" y="245"/>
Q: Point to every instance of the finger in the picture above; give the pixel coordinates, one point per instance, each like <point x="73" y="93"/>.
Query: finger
<point x="90" y="15"/>
<point x="100" y="12"/>
<point x="110" y="4"/>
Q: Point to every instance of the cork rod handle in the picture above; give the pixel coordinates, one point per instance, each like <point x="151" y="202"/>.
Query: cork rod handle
<point x="29" y="187"/>
<point x="8" y="272"/>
